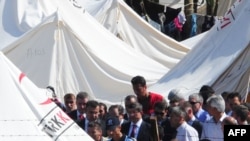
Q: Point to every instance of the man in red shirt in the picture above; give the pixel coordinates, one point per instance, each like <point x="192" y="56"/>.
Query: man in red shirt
<point x="145" y="98"/>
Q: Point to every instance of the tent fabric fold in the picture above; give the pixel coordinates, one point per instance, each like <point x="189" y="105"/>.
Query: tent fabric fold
<point x="117" y="17"/>
<point x="72" y="52"/>
<point x="24" y="117"/>
<point x="220" y="60"/>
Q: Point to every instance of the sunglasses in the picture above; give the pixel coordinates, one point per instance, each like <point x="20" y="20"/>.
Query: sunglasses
<point x="193" y="103"/>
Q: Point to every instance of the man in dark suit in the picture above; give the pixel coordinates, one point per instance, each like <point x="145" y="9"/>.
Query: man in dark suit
<point x="92" y="114"/>
<point x="136" y="127"/>
<point x="81" y="101"/>
<point x="128" y="100"/>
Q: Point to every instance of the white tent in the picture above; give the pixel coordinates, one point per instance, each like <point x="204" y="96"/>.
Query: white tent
<point x="72" y="52"/>
<point x="221" y="59"/>
<point x="18" y="17"/>
<point x="122" y="21"/>
<point x="26" y="116"/>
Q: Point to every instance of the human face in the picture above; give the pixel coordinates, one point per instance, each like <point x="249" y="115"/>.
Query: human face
<point x="195" y="105"/>
<point x="95" y="133"/>
<point x="233" y="102"/>
<point x="128" y="102"/>
<point x="174" y="103"/>
<point x="102" y="111"/>
<point x="114" y="112"/>
<point x="81" y="105"/>
<point x="70" y="104"/>
<point x="160" y="114"/>
<point x="92" y="114"/>
<point x="114" y="133"/>
<point x="211" y="110"/>
<point x="134" y="115"/>
<point x="140" y="91"/>
<point x="175" y="120"/>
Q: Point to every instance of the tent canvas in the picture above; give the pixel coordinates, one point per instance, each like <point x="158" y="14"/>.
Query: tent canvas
<point x="220" y="60"/>
<point x="72" y="52"/>
<point x="24" y="113"/>
<point x="18" y="17"/>
<point x="125" y="23"/>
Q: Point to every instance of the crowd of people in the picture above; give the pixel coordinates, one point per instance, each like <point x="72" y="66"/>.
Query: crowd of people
<point x="148" y="116"/>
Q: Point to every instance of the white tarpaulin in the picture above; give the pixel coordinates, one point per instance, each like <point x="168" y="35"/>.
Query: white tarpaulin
<point x="18" y="17"/>
<point x="27" y="114"/>
<point x="122" y="21"/>
<point x="72" y="52"/>
<point x="221" y="59"/>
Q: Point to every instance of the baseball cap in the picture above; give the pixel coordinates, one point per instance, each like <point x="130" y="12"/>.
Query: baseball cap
<point x="112" y="123"/>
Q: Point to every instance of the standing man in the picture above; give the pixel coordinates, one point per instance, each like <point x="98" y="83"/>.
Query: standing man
<point x="212" y="128"/>
<point x="128" y="100"/>
<point x="136" y="127"/>
<point x="191" y="119"/>
<point x="233" y="99"/>
<point x="81" y="101"/>
<point x="92" y="114"/>
<point x="196" y="100"/>
<point x="185" y="132"/>
<point x="145" y="98"/>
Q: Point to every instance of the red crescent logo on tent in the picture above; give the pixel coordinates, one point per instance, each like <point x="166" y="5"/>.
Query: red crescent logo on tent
<point x="48" y="101"/>
<point x="21" y="76"/>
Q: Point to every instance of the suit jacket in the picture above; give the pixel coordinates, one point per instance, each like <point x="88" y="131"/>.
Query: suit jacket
<point x="198" y="126"/>
<point x="73" y="114"/>
<point x="169" y="132"/>
<point x="144" y="133"/>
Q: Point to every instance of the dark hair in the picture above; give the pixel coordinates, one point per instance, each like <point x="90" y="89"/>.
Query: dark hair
<point x="206" y="91"/>
<point x="233" y="95"/>
<point x="241" y="111"/>
<point x="138" y="80"/>
<point x="95" y="124"/>
<point x="82" y="95"/>
<point x="104" y="105"/>
<point x="225" y="94"/>
<point x="137" y="106"/>
<point x="129" y="97"/>
<point x="113" y="107"/>
<point x="92" y="104"/>
<point x="163" y="105"/>
<point x="68" y="95"/>
<point x="121" y="109"/>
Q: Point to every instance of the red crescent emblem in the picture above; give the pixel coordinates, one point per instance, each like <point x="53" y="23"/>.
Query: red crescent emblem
<point x="48" y="101"/>
<point x="21" y="76"/>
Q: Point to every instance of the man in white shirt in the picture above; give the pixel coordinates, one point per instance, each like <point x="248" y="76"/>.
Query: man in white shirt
<point x="212" y="128"/>
<point x="185" y="132"/>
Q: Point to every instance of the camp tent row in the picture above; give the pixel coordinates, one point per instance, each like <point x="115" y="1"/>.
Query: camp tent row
<point x="27" y="113"/>
<point x="72" y="52"/>
<point x="124" y="22"/>
<point x="75" y="61"/>
<point x="220" y="59"/>
<point x="50" y="54"/>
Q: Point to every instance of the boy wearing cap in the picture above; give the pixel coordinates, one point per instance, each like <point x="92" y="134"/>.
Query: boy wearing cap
<point x="114" y="130"/>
